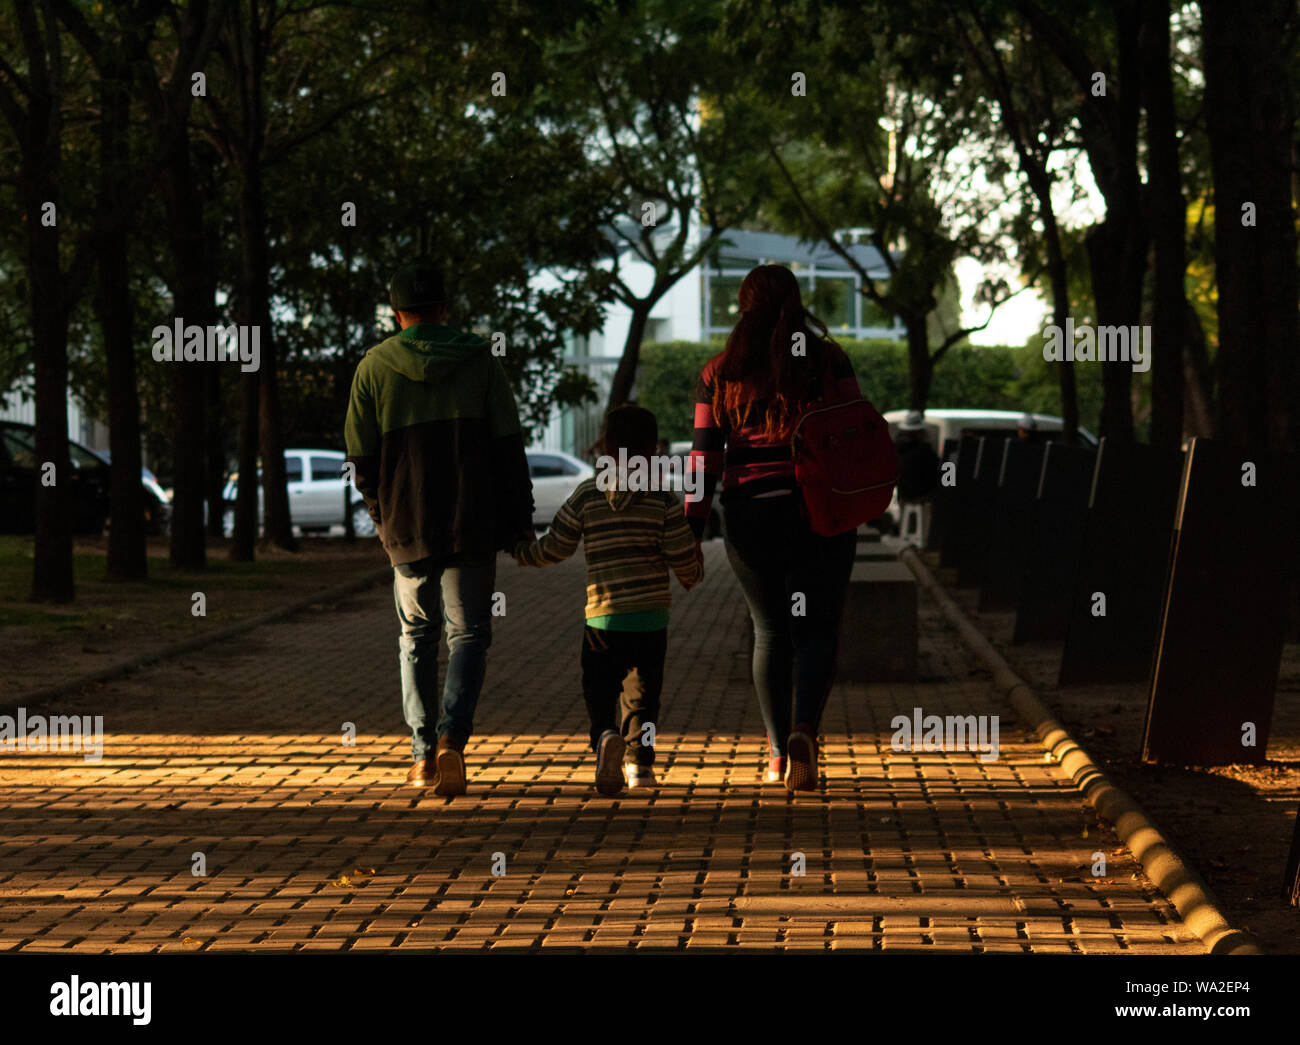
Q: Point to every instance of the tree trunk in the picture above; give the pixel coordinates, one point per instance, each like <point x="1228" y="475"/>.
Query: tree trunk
<point x="52" y="577"/>
<point x="625" y="375"/>
<point x="1198" y="379"/>
<point x="192" y="302"/>
<point x="215" y="449"/>
<point x="1117" y="246"/>
<point x="1168" y="230"/>
<point x="1250" y="120"/>
<point x="246" y="515"/>
<point x="1058" y="274"/>
<point x="1117" y="291"/>
<point x="279" y="523"/>
<point x="257" y="284"/>
<point x="920" y="367"/>
<point x="1065" y="368"/>
<point x="128" y="555"/>
<point x="254" y="310"/>
<point x="128" y="558"/>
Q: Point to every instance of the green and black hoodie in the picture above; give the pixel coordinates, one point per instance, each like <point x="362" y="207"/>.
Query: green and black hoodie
<point x="434" y="434"/>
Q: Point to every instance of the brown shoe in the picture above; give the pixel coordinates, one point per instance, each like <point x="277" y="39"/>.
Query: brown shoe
<point x="451" y="768"/>
<point x="421" y="773"/>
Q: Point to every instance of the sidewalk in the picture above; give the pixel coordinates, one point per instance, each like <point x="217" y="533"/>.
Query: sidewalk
<point x="236" y="753"/>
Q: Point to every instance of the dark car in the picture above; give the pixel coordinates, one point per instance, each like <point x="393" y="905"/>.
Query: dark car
<point x="87" y="485"/>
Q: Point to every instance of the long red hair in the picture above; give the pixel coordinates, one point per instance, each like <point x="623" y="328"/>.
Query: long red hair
<point x="759" y="362"/>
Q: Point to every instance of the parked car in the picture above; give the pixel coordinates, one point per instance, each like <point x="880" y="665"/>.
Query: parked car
<point x="555" y="475"/>
<point x="157" y="501"/>
<point x="678" y="453"/>
<point x="88" y="485"/>
<point x="316" y="491"/>
<point x="945" y="426"/>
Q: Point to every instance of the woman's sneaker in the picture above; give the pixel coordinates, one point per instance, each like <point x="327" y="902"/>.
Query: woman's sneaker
<point x="609" y="762"/>
<point x="801" y="773"/>
<point x="640" y="776"/>
<point x="776" y="769"/>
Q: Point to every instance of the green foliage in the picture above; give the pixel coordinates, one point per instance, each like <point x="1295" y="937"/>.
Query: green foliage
<point x="667" y="380"/>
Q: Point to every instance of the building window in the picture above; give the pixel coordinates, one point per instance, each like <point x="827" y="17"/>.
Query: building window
<point x="724" y="306"/>
<point x="832" y="301"/>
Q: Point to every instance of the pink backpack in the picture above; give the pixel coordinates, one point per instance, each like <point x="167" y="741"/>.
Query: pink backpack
<point x="845" y="463"/>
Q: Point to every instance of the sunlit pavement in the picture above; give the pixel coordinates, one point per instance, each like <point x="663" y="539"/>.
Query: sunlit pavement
<point x="233" y="761"/>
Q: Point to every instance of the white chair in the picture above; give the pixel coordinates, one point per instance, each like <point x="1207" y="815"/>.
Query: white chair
<point x="911" y="529"/>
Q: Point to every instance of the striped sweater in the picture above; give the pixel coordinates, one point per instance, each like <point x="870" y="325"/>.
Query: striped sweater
<point x="740" y="456"/>
<point x="631" y="540"/>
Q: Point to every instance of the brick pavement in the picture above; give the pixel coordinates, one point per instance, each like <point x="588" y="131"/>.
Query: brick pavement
<point x="237" y="754"/>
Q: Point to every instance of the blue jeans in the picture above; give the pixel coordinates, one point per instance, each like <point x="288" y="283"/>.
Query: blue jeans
<point x="794" y="583"/>
<point x="465" y="585"/>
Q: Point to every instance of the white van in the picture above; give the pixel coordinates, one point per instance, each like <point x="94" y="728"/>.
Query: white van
<point x="946" y="424"/>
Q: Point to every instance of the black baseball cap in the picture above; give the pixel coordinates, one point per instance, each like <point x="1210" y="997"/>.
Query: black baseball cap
<point x="417" y="287"/>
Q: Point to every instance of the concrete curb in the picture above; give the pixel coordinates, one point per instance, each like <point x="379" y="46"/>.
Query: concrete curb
<point x="1163" y="863"/>
<point x="177" y="649"/>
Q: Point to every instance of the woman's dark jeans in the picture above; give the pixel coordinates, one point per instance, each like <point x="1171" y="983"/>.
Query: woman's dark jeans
<point x="794" y="582"/>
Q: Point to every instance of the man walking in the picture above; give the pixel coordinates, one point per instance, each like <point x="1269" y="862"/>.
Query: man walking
<point x="433" y="434"/>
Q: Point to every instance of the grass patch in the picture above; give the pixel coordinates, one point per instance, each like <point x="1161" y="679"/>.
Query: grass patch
<point x="100" y="602"/>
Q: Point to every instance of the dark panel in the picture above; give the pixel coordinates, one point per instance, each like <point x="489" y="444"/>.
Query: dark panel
<point x="1012" y="514"/>
<point x="1126" y="548"/>
<point x="979" y="511"/>
<point x="941" y="501"/>
<point x="1224" y="612"/>
<point x="956" y="517"/>
<point x="1055" y="540"/>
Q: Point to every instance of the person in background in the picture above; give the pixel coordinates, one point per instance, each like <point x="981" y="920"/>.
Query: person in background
<point x="918" y="464"/>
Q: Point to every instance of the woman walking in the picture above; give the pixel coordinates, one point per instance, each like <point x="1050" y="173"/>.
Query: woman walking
<point x="778" y="360"/>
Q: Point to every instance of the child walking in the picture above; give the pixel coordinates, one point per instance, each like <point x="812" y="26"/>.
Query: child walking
<point x="631" y="538"/>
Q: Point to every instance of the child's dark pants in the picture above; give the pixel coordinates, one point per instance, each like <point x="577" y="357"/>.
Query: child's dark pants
<point x="622" y="679"/>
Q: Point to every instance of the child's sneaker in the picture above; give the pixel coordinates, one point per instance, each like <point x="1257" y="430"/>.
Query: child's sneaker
<point x="776" y="769"/>
<point x="609" y="763"/>
<point x="640" y="776"/>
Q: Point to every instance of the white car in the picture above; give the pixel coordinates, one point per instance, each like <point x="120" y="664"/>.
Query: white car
<point x="316" y="494"/>
<point x="555" y="475"/>
<point x="944" y="424"/>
